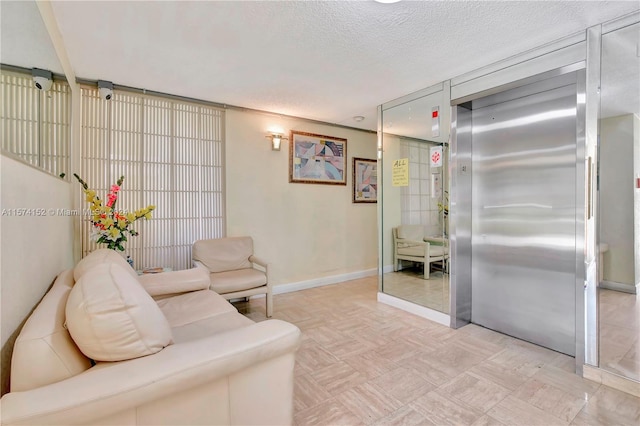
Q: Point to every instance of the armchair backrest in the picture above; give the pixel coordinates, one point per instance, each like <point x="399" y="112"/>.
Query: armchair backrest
<point x="411" y="232"/>
<point x="224" y="254"/>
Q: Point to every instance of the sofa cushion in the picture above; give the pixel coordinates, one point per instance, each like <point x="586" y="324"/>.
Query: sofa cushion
<point x="207" y="327"/>
<point x="99" y="257"/>
<point x="112" y="318"/>
<point x="194" y="306"/>
<point x="224" y="254"/>
<point x="44" y="352"/>
<point x="232" y="281"/>
<point x="411" y="232"/>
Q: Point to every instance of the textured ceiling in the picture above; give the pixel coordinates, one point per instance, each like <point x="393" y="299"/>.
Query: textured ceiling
<point x="327" y="61"/>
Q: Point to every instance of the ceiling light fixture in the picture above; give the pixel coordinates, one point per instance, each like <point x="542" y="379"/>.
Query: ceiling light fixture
<point x="358" y="118"/>
<point x="386" y="1"/>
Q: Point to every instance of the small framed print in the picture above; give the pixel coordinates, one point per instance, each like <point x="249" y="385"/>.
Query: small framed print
<point x="365" y="180"/>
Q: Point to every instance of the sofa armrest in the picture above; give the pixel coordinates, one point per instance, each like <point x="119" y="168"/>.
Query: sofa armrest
<point x="175" y="281"/>
<point x="110" y="388"/>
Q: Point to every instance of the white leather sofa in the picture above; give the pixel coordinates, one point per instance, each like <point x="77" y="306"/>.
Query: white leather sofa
<point x="105" y="346"/>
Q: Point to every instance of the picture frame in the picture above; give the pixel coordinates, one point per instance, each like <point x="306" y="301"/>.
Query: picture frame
<point x="365" y="180"/>
<point x="317" y="158"/>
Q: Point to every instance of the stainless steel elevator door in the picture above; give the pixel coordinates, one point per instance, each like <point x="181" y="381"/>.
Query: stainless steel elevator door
<point x="524" y="215"/>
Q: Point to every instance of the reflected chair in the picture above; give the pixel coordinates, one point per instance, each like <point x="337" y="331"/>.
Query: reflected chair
<point x="235" y="272"/>
<point x="410" y="243"/>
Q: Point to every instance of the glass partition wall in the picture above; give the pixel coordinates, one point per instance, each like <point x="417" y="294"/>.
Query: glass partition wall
<point x="619" y="203"/>
<point x="414" y="194"/>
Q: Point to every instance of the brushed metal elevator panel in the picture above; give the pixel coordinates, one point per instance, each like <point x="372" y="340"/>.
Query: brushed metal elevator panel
<point x="523" y="235"/>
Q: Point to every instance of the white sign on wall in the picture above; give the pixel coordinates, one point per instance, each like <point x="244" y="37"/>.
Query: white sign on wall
<point x="435" y="155"/>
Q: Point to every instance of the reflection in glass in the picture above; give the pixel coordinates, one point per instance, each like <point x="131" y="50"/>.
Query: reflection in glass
<point x="619" y="308"/>
<point x="415" y="244"/>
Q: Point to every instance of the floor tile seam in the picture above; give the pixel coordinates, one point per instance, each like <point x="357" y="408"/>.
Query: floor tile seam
<point x="486" y="411"/>
<point x="439" y="392"/>
<point x="324" y="402"/>
<point x="457" y="343"/>
<point x="319" y="402"/>
<point x="399" y="404"/>
<point x="514" y="395"/>
<point x="550" y="412"/>
<point x="560" y="421"/>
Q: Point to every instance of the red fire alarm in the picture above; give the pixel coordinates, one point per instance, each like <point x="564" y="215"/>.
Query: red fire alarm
<point x="434" y="114"/>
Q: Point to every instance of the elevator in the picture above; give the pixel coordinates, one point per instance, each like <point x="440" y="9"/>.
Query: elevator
<point x="517" y="233"/>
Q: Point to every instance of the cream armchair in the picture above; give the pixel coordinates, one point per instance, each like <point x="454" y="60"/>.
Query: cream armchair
<point x="235" y="271"/>
<point x="410" y="243"/>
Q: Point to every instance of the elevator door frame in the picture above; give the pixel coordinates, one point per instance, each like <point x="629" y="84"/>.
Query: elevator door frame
<point x="461" y="195"/>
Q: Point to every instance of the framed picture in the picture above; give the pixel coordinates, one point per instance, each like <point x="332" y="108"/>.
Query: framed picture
<point x="365" y="180"/>
<point x="317" y="159"/>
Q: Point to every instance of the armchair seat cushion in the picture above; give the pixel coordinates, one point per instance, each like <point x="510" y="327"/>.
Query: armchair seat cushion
<point x="434" y="251"/>
<point x="238" y="280"/>
<point x="194" y="306"/>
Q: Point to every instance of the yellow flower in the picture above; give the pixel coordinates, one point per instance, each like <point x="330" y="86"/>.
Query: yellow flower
<point x="131" y="217"/>
<point x="147" y="216"/>
<point x="122" y="224"/>
<point x="107" y="222"/>
<point x="114" y="232"/>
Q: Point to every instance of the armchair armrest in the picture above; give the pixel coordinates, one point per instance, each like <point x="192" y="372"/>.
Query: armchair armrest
<point x="439" y="240"/>
<point x="258" y="261"/>
<point x="113" y="387"/>
<point x="411" y="242"/>
<point x="175" y="281"/>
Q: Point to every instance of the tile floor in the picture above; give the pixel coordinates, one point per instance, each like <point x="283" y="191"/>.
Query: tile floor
<point x="365" y="363"/>
<point x="620" y="333"/>
<point x="409" y="284"/>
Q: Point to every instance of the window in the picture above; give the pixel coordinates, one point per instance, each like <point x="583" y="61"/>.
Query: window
<point x="171" y="155"/>
<point x="36" y="124"/>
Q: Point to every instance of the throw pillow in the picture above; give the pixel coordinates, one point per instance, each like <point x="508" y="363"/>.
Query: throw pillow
<point x="112" y="318"/>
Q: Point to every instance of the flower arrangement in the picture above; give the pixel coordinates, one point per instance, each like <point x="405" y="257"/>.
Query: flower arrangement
<point x="444" y="207"/>
<point x="110" y="225"/>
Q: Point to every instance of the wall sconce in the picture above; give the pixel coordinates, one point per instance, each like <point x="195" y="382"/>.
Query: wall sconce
<point x="276" y="140"/>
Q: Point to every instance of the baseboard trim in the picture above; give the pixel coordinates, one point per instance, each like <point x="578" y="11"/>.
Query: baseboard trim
<point x="387" y="269"/>
<point x="625" y="288"/>
<point x="319" y="282"/>
<point x="412" y="308"/>
<point x="612" y="380"/>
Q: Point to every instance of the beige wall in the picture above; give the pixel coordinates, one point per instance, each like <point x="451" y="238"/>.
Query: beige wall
<point x="305" y="231"/>
<point x="34" y="249"/>
<point x="392" y="195"/>
<point x="617" y="198"/>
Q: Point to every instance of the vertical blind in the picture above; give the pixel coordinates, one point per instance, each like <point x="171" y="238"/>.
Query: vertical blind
<point x="171" y="155"/>
<point x="36" y="124"/>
